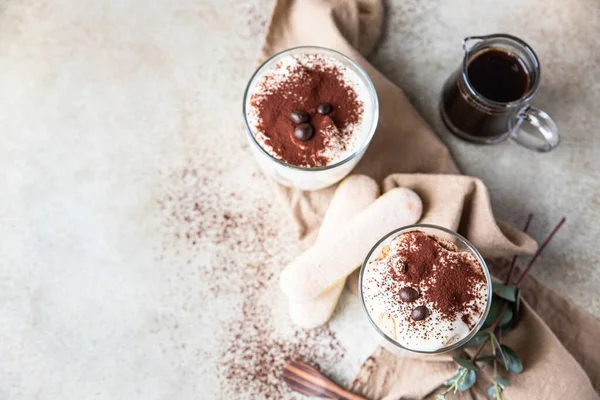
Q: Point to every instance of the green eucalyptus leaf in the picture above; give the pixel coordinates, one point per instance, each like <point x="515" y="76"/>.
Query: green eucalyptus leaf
<point x="514" y="362"/>
<point x="504" y="330"/>
<point x="484" y="359"/>
<point x="494" y="310"/>
<point x="516" y="307"/>
<point x="467" y="381"/>
<point x="499" y="352"/>
<point x="479" y="338"/>
<point x="465" y="363"/>
<point x="501" y="381"/>
<point x="452" y="380"/>
<point x="506" y="317"/>
<point x="495" y="345"/>
<point x="492" y="392"/>
<point x="506" y="292"/>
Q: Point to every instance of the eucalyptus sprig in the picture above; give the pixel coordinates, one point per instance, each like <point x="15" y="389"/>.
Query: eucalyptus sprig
<point x="502" y="317"/>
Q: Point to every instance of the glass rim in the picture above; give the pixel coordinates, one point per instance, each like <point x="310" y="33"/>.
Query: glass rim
<point x="363" y="75"/>
<point x="491" y="103"/>
<point x="476" y="328"/>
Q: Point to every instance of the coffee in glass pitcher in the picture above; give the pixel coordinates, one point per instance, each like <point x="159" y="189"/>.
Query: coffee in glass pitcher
<point x="487" y="99"/>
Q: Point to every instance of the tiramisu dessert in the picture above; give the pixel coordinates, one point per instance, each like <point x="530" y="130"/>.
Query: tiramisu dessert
<point x="308" y="109"/>
<point x="422" y="292"/>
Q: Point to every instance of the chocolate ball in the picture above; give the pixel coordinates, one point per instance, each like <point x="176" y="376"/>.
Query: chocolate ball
<point x="408" y="294"/>
<point x="419" y="313"/>
<point x="324" y="108"/>
<point x="304" y="132"/>
<point x="299" y="116"/>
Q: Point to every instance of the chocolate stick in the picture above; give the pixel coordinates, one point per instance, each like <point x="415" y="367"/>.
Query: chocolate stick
<point x="514" y="260"/>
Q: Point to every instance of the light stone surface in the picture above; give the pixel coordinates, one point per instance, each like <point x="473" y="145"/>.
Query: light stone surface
<point x="119" y="120"/>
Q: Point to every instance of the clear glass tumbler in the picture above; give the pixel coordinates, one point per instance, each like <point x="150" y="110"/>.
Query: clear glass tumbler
<point x="307" y="178"/>
<point x="464" y="246"/>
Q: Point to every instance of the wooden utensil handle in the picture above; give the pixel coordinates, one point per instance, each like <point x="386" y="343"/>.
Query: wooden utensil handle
<point x="332" y="388"/>
<point x="349" y="395"/>
<point x="305" y="379"/>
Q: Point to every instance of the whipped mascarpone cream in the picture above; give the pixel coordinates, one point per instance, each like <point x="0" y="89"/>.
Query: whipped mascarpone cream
<point x="339" y="142"/>
<point x="451" y="284"/>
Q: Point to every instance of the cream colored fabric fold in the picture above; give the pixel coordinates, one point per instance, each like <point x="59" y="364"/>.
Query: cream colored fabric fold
<point x="401" y="129"/>
<point x="552" y="361"/>
<point x="462" y="203"/>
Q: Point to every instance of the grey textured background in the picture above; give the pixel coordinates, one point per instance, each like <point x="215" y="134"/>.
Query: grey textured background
<point x="113" y="113"/>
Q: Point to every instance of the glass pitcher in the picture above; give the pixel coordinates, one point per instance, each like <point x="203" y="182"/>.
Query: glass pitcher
<point x="487" y="100"/>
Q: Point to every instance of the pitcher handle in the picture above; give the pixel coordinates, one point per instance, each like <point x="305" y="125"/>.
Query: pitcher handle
<point x="535" y="130"/>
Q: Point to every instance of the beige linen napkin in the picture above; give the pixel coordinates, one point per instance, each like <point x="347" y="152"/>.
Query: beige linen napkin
<point x="345" y="26"/>
<point x="460" y="203"/>
<point x="405" y="143"/>
<point x="550" y="358"/>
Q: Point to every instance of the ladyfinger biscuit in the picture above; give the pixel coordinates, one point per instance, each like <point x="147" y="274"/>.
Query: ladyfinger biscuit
<point x="353" y="195"/>
<point x="332" y="260"/>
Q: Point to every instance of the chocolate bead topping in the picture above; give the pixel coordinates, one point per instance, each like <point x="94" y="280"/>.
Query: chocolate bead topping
<point x="408" y="294"/>
<point x="419" y="313"/>
<point x="304" y="132"/>
<point x="324" y="108"/>
<point x="299" y="116"/>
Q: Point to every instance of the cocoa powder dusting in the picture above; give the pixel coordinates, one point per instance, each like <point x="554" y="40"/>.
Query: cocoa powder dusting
<point x="201" y="217"/>
<point x="450" y="276"/>
<point x="304" y="89"/>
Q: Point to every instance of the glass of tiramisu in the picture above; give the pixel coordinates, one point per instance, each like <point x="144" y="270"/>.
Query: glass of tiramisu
<point x="310" y="114"/>
<point x="425" y="289"/>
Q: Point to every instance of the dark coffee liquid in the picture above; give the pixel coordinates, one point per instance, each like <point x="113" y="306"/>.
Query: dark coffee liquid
<point x="498" y="76"/>
<point x="495" y="75"/>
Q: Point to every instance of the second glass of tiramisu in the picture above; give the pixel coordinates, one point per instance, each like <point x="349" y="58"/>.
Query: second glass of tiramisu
<point x="310" y="114"/>
<point x="425" y="289"/>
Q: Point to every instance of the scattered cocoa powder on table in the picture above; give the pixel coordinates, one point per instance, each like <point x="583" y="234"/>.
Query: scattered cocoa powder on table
<point x="200" y="215"/>
<point x="253" y="361"/>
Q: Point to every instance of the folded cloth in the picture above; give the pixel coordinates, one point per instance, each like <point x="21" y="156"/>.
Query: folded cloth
<point x="460" y="203"/>
<point x="558" y="351"/>
<point x="552" y="357"/>
<point x="349" y="26"/>
<point x="548" y="351"/>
